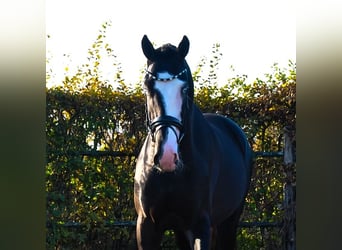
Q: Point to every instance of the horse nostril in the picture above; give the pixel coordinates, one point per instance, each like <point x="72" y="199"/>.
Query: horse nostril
<point x="175" y="158"/>
<point x="168" y="162"/>
<point x="156" y="159"/>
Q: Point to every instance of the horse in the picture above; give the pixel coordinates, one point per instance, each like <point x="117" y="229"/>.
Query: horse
<point x="193" y="171"/>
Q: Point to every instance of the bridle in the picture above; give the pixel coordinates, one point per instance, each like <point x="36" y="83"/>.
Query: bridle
<point x="165" y="121"/>
<point x="154" y="77"/>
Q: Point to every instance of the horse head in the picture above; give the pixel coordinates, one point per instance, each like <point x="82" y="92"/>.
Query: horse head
<point x="169" y="88"/>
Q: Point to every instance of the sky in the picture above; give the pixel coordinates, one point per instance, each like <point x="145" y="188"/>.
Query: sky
<point x="253" y="35"/>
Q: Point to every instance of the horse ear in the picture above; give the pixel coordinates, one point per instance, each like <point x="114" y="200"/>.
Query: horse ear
<point x="183" y="47"/>
<point x="147" y="48"/>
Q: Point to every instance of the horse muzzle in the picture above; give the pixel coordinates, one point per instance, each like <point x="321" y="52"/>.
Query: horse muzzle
<point x="167" y="162"/>
<point x="166" y="158"/>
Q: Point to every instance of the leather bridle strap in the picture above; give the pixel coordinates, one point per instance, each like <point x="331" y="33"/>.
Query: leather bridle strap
<point x="165" y="79"/>
<point x="169" y="122"/>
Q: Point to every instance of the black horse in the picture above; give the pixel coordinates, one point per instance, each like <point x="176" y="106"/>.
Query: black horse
<point x="193" y="171"/>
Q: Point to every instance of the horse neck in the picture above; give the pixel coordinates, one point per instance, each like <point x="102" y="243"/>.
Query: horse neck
<point x="194" y="122"/>
<point x="196" y="133"/>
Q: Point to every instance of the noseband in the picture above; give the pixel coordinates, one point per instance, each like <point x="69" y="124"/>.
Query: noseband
<point x="166" y="121"/>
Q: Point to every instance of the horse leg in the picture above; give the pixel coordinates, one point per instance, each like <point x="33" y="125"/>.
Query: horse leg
<point x="226" y="231"/>
<point x="202" y="233"/>
<point x="213" y="237"/>
<point x="184" y="240"/>
<point x="148" y="237"/>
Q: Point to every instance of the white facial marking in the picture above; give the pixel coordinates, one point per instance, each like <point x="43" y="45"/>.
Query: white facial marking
<point x="171" y="92"/>
<point x="172" y="101"/>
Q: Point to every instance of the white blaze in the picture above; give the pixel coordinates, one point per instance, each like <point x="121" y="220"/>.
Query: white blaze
<point x="172" y="101"/>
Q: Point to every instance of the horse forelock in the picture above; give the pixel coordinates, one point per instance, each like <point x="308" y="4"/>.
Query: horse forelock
<point x="167" y="48"/>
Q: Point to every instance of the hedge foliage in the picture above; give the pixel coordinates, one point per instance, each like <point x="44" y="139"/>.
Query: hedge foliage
<point x="86" y="194"/>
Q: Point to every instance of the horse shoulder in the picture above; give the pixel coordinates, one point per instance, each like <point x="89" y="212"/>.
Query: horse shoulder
<point x="143" y="168"/>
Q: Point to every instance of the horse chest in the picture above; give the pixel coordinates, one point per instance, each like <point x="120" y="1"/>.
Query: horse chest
<point x="172" y="200"/>
<point x="169" y="190"/>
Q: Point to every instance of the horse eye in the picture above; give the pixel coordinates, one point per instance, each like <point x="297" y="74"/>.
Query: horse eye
<point x="185" y="90"/>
